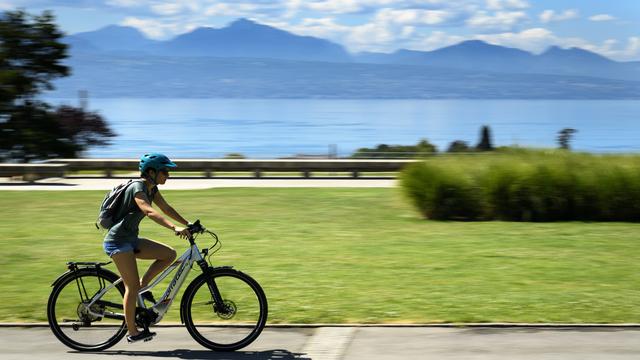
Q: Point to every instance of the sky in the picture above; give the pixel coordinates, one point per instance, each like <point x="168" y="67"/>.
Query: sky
<point x="608" y="27"/>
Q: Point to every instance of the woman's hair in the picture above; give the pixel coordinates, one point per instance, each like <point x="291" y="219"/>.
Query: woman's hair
<point x="145" y="173"/>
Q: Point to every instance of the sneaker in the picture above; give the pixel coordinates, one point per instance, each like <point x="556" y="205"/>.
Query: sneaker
<point x="145" y="336"/>
<point x="147" y="295"/>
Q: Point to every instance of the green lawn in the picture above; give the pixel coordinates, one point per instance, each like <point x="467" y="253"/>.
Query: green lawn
<point x="348" y="255"/>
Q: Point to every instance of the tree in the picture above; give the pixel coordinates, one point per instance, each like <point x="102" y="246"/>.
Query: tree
<point x="459" y="146"/>
<point x="485" y="140"/>
<point x="564" y="137"/>
<point x="31" y="56"/>
<point x="81" y="128"/>
<point x="424" y="146"/>
<point x="385" y="151"/>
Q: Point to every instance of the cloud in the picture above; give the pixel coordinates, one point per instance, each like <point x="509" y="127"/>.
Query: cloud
<point x="391" y="27"/>
<point x="341" y="6"/>
<point x="155" y="29"/>
<point x="366" y="6"/>
<point x="326" y="28"/>
<point x="413" y="16"/>
<point x="363" y="25"/>
<point x="537" y="40"/>
<point x="373" y="36"/>
<point x="5" y="5"/>
<point x="611" y="49"/>
<point x="167" y="9"/>
<point x="125" y="3"/>
<point x="232" y="9"/>
<point x="506" y="4"/>
<point x="533" y="40"/>
<point x="632" y="52"/>
<point x="384" y="30"/>
<point x="602" y="17"/>
<point x="501" y="20"/>
<point x="550" y="15"/>
<point x="43" y="4"/>
<point x="364" y="36"/>
<point x="436" y="40"/>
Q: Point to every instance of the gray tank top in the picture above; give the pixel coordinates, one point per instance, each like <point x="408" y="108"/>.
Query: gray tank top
<point x="126" y="230"/>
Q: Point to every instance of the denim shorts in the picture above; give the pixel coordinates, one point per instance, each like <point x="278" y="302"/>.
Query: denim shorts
<point x="114" y="247"/>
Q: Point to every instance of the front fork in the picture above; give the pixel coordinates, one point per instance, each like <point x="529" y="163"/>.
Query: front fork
<point x="213" y="288"/>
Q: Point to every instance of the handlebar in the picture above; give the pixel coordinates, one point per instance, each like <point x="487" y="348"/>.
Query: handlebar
<point x="196" y="228"/>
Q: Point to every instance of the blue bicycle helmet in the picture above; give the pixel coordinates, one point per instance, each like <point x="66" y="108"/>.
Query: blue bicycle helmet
<point x="155" y="161"/>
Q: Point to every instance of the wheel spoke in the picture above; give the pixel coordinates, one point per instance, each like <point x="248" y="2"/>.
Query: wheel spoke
<point x="234" y="323"/>
<point x="76" y="322"/>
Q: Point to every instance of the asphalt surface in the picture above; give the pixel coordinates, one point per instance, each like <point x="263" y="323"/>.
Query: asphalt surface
<point x="357" y="343"/>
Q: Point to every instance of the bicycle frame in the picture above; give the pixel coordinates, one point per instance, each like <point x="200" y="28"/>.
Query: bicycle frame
<point x="184" y="264"/>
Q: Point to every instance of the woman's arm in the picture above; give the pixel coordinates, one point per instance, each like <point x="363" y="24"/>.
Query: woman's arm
<point x="168" y="209"/>
<point x="143" y="203"/>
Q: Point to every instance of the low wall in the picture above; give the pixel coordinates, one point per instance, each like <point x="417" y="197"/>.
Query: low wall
<point x="210" y="166"/>
<point x="32" y="172"/>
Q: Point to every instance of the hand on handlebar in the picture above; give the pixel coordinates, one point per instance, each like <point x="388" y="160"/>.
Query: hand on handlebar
<point x="196" y="227"/>
<point x="182" y="232"/>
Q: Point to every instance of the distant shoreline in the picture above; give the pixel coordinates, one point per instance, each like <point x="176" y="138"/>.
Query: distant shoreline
<point x="273" y="128"/>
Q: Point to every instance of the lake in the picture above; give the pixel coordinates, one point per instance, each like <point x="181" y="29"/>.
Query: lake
<point x="267" y="128"/>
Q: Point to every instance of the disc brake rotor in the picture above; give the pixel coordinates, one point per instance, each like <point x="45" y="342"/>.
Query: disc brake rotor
<point x="228" y="310"/>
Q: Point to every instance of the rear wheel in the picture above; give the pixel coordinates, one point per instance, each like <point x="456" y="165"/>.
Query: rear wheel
<point x="75" y="322"/>
<point x="229" y="326"/>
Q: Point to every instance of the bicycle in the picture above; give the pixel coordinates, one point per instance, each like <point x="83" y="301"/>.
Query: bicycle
<point x="223" y="309"/>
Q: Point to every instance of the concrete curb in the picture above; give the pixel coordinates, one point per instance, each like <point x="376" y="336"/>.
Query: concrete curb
<point x="447" y="325"/>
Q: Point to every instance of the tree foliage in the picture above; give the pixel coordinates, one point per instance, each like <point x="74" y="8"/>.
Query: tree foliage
<point x="384" y="151"/>
<point x="485" y="140"/>
<point x="459" y="146"/>
<point x="31" y="58"/>
<point x="564" y="138"/>
<point x="30" y="55"/>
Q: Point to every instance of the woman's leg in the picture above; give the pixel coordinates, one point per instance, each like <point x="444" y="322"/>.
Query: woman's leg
<point x="153" y="250"/>
<point x="126" y="264"/>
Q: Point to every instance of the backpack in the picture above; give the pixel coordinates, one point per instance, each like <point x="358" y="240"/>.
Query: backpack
<point x="111" y="204"/>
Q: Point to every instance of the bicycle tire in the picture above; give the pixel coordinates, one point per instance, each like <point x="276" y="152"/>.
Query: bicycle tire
<point x="221" y="277"/>
<point x="58" y="329"/>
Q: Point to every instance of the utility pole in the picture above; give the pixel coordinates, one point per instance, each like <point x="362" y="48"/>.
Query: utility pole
<point x="83" y="95"/>
<point x="333" y="151"/>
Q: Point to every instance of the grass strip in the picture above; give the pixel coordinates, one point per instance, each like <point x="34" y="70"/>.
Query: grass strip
<point x="347" y="256"/>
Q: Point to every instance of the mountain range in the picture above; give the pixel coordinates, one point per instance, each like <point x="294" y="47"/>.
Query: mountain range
<point x="245" y="38"/>
<point x="242" y="38"/>
<point x="277" y="59"/>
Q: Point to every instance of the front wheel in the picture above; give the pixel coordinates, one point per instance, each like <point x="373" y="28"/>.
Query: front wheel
<point x="231" y="325"/>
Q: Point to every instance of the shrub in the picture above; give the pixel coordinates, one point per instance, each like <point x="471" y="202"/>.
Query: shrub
<point x="526" y="185"/>
<point x="384" y="151"/>
<point x="620" y="191"/>
<point x="441" y="192"/>
<point x="459" y="146"/>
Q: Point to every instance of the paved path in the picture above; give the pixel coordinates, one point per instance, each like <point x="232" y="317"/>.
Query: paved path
<point x="192" y="183"/>
<point x="361" y="343"/>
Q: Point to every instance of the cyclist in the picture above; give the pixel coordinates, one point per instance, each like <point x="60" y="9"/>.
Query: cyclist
<point x="123" y="244"/>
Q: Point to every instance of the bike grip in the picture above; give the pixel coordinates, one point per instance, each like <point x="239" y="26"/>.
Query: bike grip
<point x="195" y="227"/>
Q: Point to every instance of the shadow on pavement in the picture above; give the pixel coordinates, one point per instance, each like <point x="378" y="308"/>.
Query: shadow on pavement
<point x="208" y="354"/>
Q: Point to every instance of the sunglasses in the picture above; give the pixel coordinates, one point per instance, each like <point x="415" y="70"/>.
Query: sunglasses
<point x="165" y="172"/>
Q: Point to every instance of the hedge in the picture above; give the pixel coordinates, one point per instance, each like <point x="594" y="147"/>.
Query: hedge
<point x="526" y="185"/>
